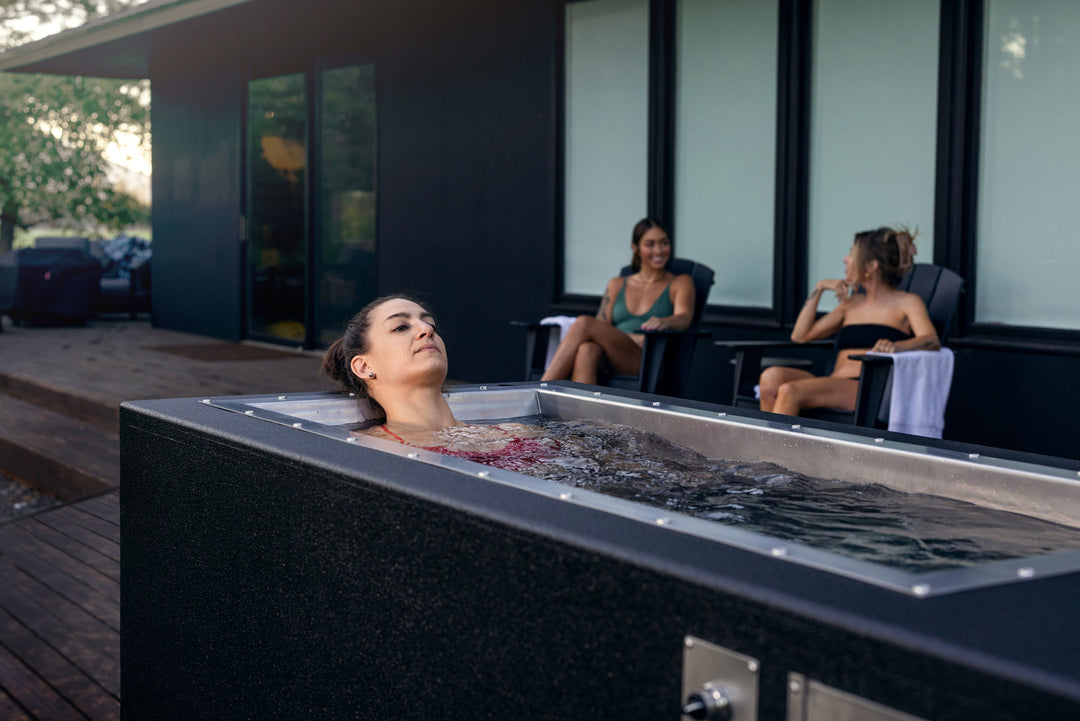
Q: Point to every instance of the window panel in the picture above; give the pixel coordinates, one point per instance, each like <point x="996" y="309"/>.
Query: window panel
<point x="346" y="257"/>
<point x="725" y="155"/>
<point x="1027" y="259"/>
<point x="606" y="137"/>
<point x="873" y="130"/>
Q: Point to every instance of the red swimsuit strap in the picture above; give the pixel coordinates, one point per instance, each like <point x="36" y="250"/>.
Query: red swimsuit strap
<point x="395" y="435"/>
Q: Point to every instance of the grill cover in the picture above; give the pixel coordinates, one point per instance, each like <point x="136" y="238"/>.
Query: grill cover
<point x="49" y="285"/>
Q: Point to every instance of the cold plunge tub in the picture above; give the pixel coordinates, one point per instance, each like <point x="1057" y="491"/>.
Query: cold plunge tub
<point x="288" y="569"/>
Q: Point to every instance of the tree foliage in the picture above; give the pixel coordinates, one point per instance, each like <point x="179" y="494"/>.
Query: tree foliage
<point x="55" y="130"/>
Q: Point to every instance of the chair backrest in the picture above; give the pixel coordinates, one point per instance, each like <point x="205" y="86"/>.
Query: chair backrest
<point x="701" y="274"/>
<point x="940" y="289"/>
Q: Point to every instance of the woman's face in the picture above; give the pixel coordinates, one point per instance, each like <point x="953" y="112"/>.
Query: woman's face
<point x="654" y="249"/>
<point x="403" y="346"/>
<point x="852" y="266"/>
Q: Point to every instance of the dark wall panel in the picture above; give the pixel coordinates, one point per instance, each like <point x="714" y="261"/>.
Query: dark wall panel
<point x="1015" y="399"/>
<point x="197" y="254"/>
<point x="466" y="174"/>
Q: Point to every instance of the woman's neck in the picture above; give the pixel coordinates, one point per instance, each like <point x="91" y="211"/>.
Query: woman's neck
<point x="650" y="277"/>
<point x="420" y="410"/>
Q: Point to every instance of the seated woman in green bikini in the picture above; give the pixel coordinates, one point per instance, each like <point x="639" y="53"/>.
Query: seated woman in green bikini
<point x="652" y="298"/>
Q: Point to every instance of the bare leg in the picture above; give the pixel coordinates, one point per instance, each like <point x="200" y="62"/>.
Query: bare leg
<point x="772" y="378"/>
<point x="587" y="362"/>
<point x="796" y="395"/>
<point x="620" y="350"/>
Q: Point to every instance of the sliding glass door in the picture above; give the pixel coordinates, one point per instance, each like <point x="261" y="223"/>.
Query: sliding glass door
<point x="311" y="203"/>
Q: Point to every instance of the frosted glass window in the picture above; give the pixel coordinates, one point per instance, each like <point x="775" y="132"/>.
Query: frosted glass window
<point x="606" y="138"/>
<point x="873" y="129"/>
<point x="1028" y="257"/>
<point x="725" y="153"/>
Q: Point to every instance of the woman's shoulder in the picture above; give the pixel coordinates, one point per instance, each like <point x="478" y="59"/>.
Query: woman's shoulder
<point x="615" y="283"/>
<point x="910" y="300"/>
<point x="682" y="282"/>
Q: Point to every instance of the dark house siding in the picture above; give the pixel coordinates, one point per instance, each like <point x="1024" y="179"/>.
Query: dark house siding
<point x="197" y="254"/>
<point x="469" y="197"/>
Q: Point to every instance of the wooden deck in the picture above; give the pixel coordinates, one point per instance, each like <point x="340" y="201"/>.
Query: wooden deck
<point x="60" y="391"/>
<point x="60" y="613"/>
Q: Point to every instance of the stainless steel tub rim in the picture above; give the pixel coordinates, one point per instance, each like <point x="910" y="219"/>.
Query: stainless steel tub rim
<point x="1042" y="491"/>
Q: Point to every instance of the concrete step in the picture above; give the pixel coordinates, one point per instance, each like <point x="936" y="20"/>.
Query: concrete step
<point x="55" y="452"/>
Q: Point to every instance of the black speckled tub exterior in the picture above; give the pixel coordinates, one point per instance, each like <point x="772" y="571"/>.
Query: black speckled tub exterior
<point x="276" y="574"/>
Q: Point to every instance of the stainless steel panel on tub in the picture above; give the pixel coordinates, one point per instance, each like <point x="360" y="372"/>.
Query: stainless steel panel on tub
<point x="1041" y="491"/>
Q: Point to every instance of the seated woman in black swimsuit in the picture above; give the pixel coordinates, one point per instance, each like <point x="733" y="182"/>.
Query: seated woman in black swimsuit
<point x="881" y="318"/>
<point x="652" y="298"/>
<point x="392" y="355"/>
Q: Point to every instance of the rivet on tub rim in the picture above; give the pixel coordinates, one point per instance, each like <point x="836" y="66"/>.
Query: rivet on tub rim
<point x="1026" y="572"/>
<point x="921" y="589"/>
<point x="249" y="413"/>
<point x="779" y="551"/>
<point x="656" y="403"/>
<point x="484" y="474"/>
<point x="973" y="456"/>
<point x="879" y="440"/>
<point x="663" y="521"/>
<point x="412" y="455"/>
<point x="351" y="439"/>
<point x="205" y="400"/>
<point x="564" y="496"/>
<point x="281" y="398"/>
<point x="721" y="414"/>
<point x="795" y="426"/>
<point x="483" y="388"/>
<point x="596" y="393"/>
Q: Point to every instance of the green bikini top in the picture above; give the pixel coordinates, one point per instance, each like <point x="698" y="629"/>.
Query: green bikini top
<point x="621" y="318"/>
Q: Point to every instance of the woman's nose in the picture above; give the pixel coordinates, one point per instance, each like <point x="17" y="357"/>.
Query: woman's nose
<point x="423" y="329"/>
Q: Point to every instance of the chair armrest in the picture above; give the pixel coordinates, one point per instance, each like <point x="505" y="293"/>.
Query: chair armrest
<point x="749" y="356"/>
<point x="872" y="359"/>
<point x="875" y="381"/>
<point x="661" y="333"/>
<point x="536" y="346"/>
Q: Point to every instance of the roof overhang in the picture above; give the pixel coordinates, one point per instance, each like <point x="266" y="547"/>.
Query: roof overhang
<point x="116" y="46"/>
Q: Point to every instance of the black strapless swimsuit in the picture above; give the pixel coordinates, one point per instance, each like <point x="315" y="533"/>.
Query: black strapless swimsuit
<point x="865" y="335"/>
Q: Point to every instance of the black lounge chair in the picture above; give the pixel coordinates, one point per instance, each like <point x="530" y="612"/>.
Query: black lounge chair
<point x="940" y="289"/>
<point x="666" y="355"/>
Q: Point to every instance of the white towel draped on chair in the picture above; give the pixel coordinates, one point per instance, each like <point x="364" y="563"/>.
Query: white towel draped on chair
<point x="560" y="324"/>
<point x="920" y="391"/>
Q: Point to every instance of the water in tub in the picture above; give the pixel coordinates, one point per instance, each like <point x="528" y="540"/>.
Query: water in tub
<point x="912" y="532"/>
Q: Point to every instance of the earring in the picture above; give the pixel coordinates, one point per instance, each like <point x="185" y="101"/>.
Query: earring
<point x="371" y="374"/>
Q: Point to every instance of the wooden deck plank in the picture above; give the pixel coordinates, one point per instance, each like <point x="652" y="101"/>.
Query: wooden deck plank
<point x="74" y="685"/>
<point x="105" y="558"/>
<point x="89" y="644"/>
<point x="106" y="507"/>
<point x="34" y="694"/>
<point x="52" y="452"/>
<point x="93" y="591"/>
<point x="9" y="710"/>
<point x="74" y="514"/>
